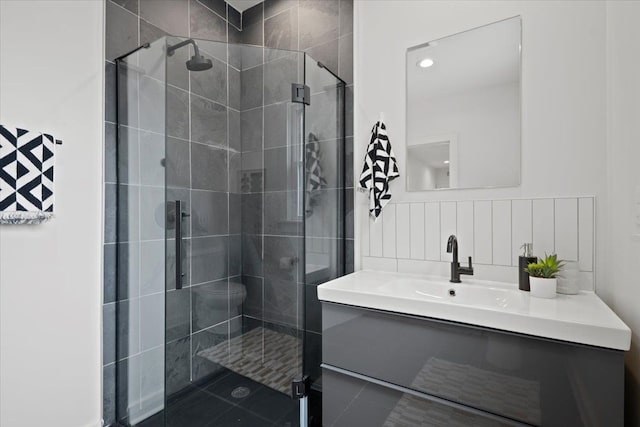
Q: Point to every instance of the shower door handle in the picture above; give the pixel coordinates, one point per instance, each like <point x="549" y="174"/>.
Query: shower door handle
<point x="179" y="215"/>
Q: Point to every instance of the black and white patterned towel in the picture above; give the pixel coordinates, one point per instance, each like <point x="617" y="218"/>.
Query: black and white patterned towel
<point x="314" y="173"/>
<point x="26" y="176"/>
<point x="380" y="168"/>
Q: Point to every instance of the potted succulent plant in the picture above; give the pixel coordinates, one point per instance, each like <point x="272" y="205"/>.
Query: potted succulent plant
<point x="542" y="276"/>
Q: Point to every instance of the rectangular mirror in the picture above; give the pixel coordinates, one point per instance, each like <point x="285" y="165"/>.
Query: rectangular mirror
<point x="463" y="109"/>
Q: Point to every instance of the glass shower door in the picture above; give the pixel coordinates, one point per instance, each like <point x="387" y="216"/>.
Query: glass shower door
<point x="234" y="244"/>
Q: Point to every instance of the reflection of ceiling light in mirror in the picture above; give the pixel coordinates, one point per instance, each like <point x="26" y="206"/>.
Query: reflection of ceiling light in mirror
<point x="446" y="162"/>
<point x="425" y="63"/>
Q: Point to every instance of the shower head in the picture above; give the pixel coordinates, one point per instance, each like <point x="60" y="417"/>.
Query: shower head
<point x="197" y="61"/>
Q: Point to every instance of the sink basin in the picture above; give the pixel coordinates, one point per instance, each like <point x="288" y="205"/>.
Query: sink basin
<point x="583" y="318"/>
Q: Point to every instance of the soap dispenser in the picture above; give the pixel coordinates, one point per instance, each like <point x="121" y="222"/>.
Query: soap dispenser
<point x="525" y="259"/>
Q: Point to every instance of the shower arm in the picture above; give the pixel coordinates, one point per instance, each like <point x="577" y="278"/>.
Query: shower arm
<point x="172" y="49"/>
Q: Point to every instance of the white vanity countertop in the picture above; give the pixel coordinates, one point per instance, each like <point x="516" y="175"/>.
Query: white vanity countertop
<point x="583" y="318"/>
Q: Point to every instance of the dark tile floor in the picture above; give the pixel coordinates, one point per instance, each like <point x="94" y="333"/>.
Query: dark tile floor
<point x="211" y="404"/>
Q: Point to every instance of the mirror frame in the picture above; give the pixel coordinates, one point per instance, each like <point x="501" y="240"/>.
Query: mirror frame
<point x="406" y="77"/>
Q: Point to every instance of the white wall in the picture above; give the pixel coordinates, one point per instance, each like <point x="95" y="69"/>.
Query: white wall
<point x="51" y="79"/>
<point x="621" y="288"/>
<point x="574" y="107"/>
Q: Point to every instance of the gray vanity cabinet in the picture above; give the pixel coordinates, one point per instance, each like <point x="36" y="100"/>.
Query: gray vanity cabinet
<point x="389" y="369"/>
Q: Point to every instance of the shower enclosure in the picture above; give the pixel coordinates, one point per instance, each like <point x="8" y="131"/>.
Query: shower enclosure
<point x="230" y="205"/>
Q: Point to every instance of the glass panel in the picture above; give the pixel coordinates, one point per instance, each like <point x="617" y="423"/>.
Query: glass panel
<point x="324" y="199"/>
<point x="234" y="161"/>
<point x="140" y="262"/>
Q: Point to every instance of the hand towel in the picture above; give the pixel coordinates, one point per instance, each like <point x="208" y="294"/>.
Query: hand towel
<point x="26" y="176"/>
<point x="315" y="176"/>
<point x="380" y="168"/>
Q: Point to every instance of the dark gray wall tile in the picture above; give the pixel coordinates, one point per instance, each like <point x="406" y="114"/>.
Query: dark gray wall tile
<point x="208" y="168"/>
<point x="169" y="15"/>
<point x="218" y="6"/>
<point x="109" y="275"/>
<point x="177" y="113"/>
<point x="323" y="118"/>
<point x="109" y="394"/>
<point x="208" y="122"/>
<point x="235" y="255"/>
<point x="178" y="165"/>
<point x="252" y="171"/>
<point x="235" y="49"/>
<point x="251" y="56"/>
<point x="108" y="333"/>
<point x="178" y="314"/>
<point x="128" y="95"/>
<point x="252" y="255"/>
<point x="235" y="89"/>
<point x="277" y="169"/>
<point x="110" y="91"/>
<point x="235" y="134"/>
<point x="251" y="88"/>
<point x="205" y="24"/>
<point x="209" y="258"/>
<point x="252" y="213"/>
<point x="321" y="213"/>
<point x="209" y="304"/>
<point x="346" y="17"/>
<point x="128" y="156"/>
<point x="349" y="176"/>
<point x="349" y="261"/>
<point x="183" y="194"/>
<point x="326" y="53"/>
<point x="211" y="83"/>
<point x="110" y="197"/>
<point x="152" y="308"/>
<point x="251" y="129"/>
<point x="345" y="68"/>
<point x="349" y="200"/>
<point x="110" y="153"/>
<point x="252" y="16"/>
<point x="152" y="213"/>
<point x="280" y="209"/>
<point x="281" y="30"/>
<point x="121" y="31"/>
<point x="278" y="77"/>
<point x="128" y="328"/>
<point x="128" y="213"/>
<point x="177" y="73"/>
<point x="208" y="338"/>
<point x="319" y="22"/>
<point x="178" y="364"/>
<point x="252" y="305"/>
<point x="128" y="270"/>
<point x="281" y="301"/>
<point x="235" y="212"/>
<point x="283" y="258"/>
<point x="235" y="171"/>
<point x="275" y="125"/>
<point x="151" y="267"/>
<point x="152" y="159"/>
<point x="271" y="7"/>
<point x="234" y="17"/>
<point x="130" y="5"/>
<point x="209" y="213"/>
<point x="152" y="106"/>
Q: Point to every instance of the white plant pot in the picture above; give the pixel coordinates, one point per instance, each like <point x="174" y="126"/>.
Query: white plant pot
<point x="543" y="288"/>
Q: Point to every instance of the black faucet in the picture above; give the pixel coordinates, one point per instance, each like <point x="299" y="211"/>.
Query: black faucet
<point x="456" y="270"/>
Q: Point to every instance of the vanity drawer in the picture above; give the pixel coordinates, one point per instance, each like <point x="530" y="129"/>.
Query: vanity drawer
<point x="350" y="401"/>
<point x="529" y="379"/>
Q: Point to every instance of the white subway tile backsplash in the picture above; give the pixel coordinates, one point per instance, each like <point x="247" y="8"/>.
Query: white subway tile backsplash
<point x="501" y="214"/>
<point x="375" y="236"/>
<point x="566" y="229"/>
<point x="483" y="233"/>
<point x="543" y="227"/>
<point x="379" y="264"/>
<point x="411" y="237"/>
<point x="365" y="246"/>
<point x="521" y="223"/>
<point x="585" y="233"/>
<point x="464" y="230"/>
<point x="403" y="228"/>
<point x="448" y="224"/>
<point x="416" y="230"/>
<point x="432" y="231"/>
<point x="389" y="231"/>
